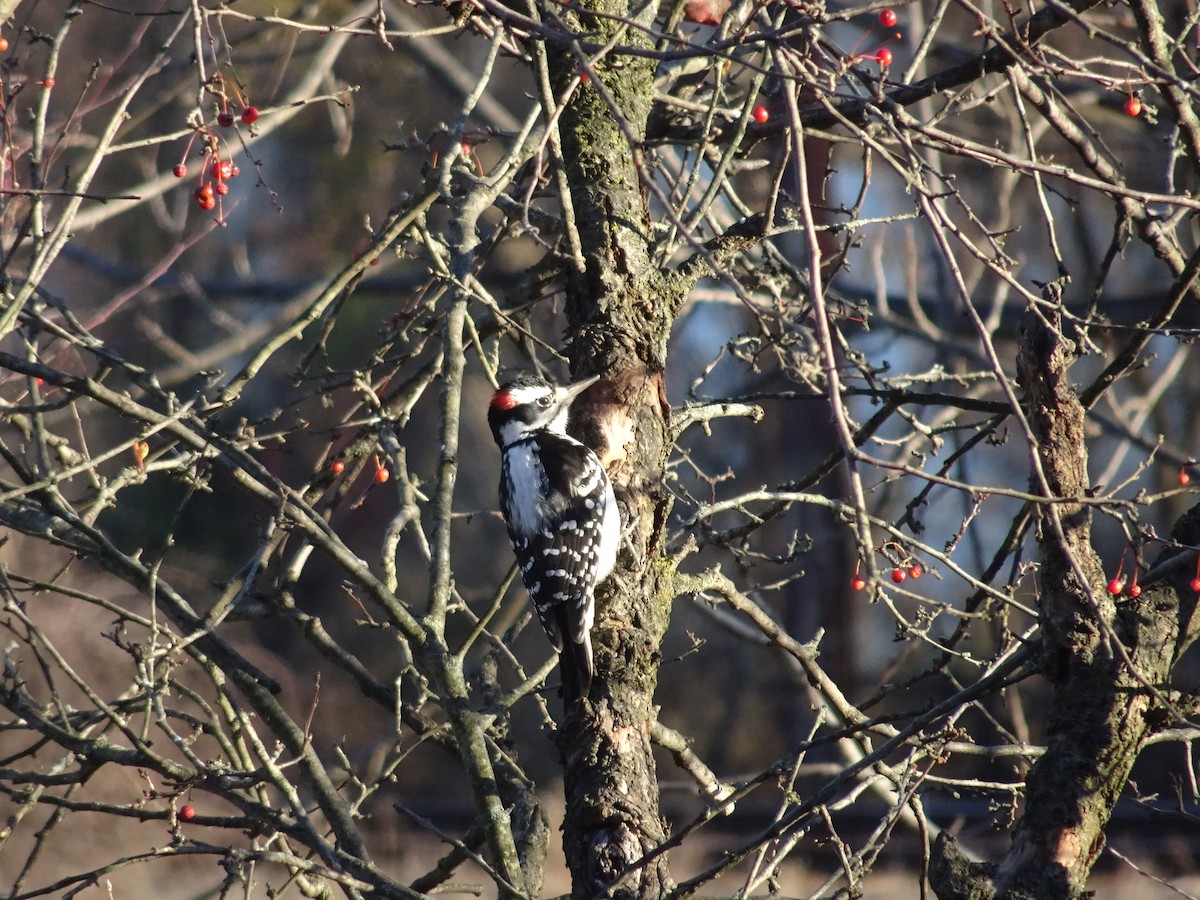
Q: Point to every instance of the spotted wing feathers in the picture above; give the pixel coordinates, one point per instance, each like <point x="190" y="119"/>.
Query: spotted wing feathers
<point x="558" y="539"/>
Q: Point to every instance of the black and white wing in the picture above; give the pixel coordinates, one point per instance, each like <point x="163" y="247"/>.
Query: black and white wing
<point x="559" y="505"/>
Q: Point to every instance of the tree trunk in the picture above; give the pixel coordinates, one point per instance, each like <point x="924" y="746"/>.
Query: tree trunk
<point x="1105" y="655"/>
<point x="619" y="310"/>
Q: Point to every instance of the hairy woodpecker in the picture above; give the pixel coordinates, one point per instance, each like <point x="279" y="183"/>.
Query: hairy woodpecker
<point x="561" y="513"/>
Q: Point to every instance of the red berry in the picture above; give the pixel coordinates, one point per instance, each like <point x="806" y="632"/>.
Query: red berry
<point x="187" y="812"/>
<point x="887" y="18"/>
<point x="858" y="583"/>
<point x="898" y="575"/>
<point x="761" y="114"/>
<point x="222" y="169"/>
<point x="179" y="171"/>
<point x="3" y="44"/>
<point x="884" y="58"/>
<point x="1116" y="586"/>
<point x="203" y="196"/>
<point x="337" y="467"/>
<point x="47" y="84"/>
<point x="1133" y="107"/>
<point x="225" y="119"/>
<point x="1195" y="585"/>
<point x="1184" y="477"/>
<point x="222" y="188"/>
<point x="250" y="115"/>
<point x="1135" y="590"/>
<point x="382" y="474"/>
<point x="915" y="571"/>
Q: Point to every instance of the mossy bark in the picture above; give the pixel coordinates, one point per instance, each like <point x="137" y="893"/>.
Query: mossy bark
<point x="1109" y="658"/>
<point x="619" y="309"/>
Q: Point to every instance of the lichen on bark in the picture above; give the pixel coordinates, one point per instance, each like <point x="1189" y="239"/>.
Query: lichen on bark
<point x="619" y="315"/>
<point x="1105" y="658"/>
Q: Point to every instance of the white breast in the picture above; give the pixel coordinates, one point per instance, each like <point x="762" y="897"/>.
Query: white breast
<point x="525" y="482"/>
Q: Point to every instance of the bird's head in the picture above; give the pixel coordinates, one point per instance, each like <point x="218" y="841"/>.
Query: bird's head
<point x="531" y="403"/>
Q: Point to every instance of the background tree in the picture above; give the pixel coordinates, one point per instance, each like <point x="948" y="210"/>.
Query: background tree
<point x="894" y="310"/>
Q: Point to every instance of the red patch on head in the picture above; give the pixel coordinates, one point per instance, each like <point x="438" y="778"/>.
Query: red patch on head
<point x="503" y="400"/>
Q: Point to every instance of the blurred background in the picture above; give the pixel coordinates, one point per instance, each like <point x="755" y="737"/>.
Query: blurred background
<point x="349" y="125"/>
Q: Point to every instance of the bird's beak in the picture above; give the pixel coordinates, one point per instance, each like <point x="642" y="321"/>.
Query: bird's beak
<point x="570" y="392"/>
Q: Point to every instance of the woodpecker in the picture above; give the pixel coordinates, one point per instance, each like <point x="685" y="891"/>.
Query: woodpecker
<point x="561" y="513"/>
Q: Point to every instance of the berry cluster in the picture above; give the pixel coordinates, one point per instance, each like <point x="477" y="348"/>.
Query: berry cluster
<point x="219" y="170"/>
<point x="908" y="568"/>
<point x="900" y="574"/>
<point x="1116" y="584"/>
<point x="216" y="174"/>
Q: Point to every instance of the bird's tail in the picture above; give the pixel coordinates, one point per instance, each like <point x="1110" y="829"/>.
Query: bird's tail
<point x="575" y="664"/>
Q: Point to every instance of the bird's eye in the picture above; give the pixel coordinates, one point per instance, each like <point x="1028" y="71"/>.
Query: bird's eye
<point x="543" y="402"/>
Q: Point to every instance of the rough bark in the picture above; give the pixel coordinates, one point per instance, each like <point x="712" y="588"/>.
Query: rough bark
<point x="1108" y="659"/>
<point x="619" y="311"/>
